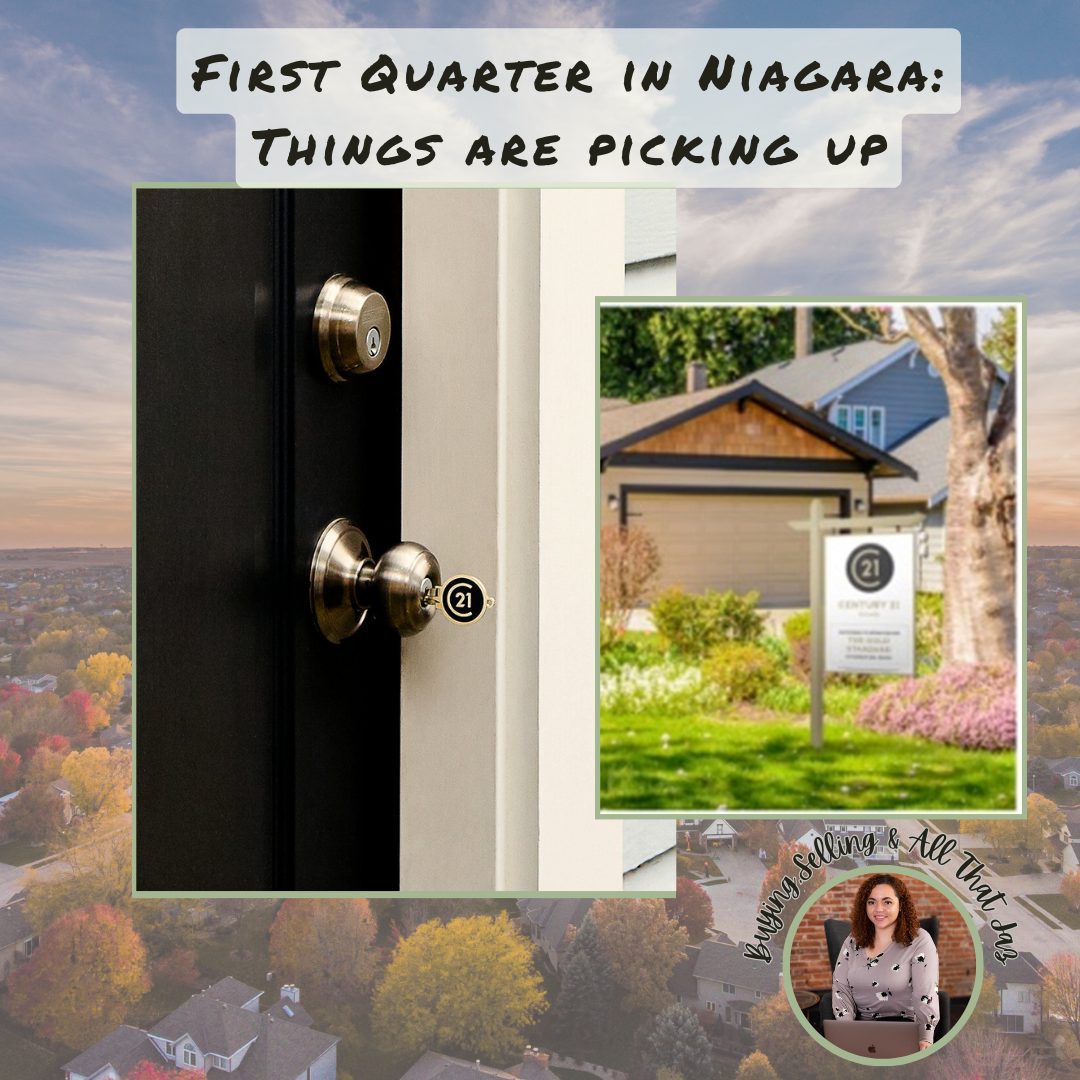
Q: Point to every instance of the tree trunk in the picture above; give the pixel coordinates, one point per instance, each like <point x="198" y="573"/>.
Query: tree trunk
<point x="980" y="530"/>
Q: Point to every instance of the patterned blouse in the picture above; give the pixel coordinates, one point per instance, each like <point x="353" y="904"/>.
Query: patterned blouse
<point x="901" y="981"/>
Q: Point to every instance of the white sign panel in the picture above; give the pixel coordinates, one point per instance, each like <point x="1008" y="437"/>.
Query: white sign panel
<point x="870" y="604"/>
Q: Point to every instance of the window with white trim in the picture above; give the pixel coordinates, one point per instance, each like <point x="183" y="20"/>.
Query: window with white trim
<point x="1011" y="1023"/>
<point x="866" y="422"/>
<point x="189" y="1056"/>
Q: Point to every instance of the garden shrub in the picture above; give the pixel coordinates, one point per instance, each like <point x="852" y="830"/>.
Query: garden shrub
<point x="797" y="633"/>
<point x="929" y="629"/>
<point x="694" y="623"/>
<point x="629" y="560"/>
<point x="962" y="704"/>
<point x="633" y="649"/>
<point x="741" y="670"/>
<point x="671" y="688"/>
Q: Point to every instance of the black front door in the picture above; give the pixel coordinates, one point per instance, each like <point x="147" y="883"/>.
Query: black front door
<point x="266" y="758"/>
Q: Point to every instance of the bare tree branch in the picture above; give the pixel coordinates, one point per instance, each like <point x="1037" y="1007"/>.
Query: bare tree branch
<point x="888" y="337"/>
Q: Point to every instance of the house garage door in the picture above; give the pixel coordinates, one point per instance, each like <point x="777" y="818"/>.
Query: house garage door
<point x="738" y="541"/>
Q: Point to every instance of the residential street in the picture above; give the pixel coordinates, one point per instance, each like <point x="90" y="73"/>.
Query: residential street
<point x="735" y="903"/>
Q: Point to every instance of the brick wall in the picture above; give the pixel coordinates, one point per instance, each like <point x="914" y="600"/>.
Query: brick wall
<point x="810" y="955"/>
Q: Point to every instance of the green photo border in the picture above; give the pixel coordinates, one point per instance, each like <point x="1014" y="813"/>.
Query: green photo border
<point x="1019" y="811"/>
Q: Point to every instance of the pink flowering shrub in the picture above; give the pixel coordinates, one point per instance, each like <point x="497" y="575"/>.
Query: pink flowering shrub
<point x="964" y="705"/>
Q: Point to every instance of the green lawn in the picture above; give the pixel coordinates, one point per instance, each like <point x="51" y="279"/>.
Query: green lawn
<point x="764" y="762"/>
<point x="1005" y="863"/>
<point x="18" y="853"/>
<point x="21" y="1057"/>
<point x="1056" y="905"/>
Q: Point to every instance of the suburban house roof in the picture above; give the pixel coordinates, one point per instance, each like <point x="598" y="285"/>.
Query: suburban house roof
<point x="283" y="1050"/>
<point x="280" y="1049"/>
<point x="552" y="918"/>
<point x="819" y="378"/>
<point x="217" y="1027"/>
<point x="123" y="1049"/>
<point x="620" y="428"/>
<point x="682" y="981"/>
<point x="726" y="963"/>
<point x="1024" y="968"/>
<point x="435" y="1066"/>
<point x="927" y="451"/>
<point x="14" y="926"/>
<point x="1064" y="765"/>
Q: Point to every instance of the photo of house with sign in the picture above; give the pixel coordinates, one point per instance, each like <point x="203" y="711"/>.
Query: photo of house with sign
<point x="722" y="430"/>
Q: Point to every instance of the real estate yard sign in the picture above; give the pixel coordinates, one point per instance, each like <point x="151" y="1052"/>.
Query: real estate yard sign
<point x="870" y="604"/>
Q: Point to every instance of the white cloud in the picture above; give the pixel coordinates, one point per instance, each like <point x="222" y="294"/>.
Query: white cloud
<point x="978" y="212"/>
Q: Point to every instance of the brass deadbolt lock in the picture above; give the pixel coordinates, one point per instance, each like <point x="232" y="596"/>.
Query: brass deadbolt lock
<point x="351" y="326"/>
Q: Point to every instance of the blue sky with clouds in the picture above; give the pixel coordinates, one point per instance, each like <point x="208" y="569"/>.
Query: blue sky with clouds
<point x="990" y="203"/>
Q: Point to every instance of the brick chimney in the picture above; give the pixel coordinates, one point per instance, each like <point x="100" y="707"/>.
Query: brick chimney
<point x="290" y="993"/>
<point x="804" y="331"/>
<point x="697" y="378"/>
<point x="534" y="1053"/>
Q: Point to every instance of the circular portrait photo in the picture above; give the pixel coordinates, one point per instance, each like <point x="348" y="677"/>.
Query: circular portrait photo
<point x="883" y="965"/>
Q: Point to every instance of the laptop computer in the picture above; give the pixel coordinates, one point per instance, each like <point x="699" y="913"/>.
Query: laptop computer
<point x="873" y="1038"/>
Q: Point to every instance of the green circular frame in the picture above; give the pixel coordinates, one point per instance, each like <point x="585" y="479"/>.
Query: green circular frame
<point x="976" y="989"/>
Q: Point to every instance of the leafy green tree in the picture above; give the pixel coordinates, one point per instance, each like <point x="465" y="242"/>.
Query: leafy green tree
<point x="676" y="1041"/>
<point x="1000" y="344"/>
<point x="87" y="973"/>
<point x="641" y="946"/>
<point x="582" y="1012"/>
<point x="325" y="945"/>
<point x="467" y="987"/>
<point x="644" y="351"/>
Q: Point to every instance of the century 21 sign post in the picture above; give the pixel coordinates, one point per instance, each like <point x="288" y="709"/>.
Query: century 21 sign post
<point x="870" y="604"/>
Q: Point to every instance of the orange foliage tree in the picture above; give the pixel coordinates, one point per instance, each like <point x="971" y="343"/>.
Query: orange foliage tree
<point x="88" y="971"/>
<point x="325" y="946"/>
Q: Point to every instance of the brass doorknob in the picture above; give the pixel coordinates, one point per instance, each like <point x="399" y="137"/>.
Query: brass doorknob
<point x="404" y="586"/>
<point x="351" y="326"/>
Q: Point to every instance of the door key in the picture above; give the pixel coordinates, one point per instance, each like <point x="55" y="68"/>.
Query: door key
<point x="404" y="586"/>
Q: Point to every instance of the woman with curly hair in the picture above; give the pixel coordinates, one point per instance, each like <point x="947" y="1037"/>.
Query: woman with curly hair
<point x="888" y="966"/>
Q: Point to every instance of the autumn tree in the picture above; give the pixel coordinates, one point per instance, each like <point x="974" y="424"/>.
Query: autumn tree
<point x="103" y="675"/>
<point x="152" y="1070"/>
<point x="756" y="1066"/>
<point x="791" y="1052"/>
<point x="325" y="945"/>
<point x="35" y="815"/>
<point x="467" y="987"/>
<point x="84" y="714"/>
<point x="986" y="1053"/>
<point x="641" y="946"/>
<point x="781" y="868"/>
<point x="1033" y="836"/>
<point x="400" y="916"/>
<point x="87" y="973"/>
<point x="1061" y="990"/>
<point x="9" y="768"/>
<point x="1070" y="889"/>
<point x="760" y="836"/>
<point x="629" y="560"/>
<point x="582" y="1013"/>
<point x="98" y="872"/>
<point x="675" y="1040"/>
<point x="691" y="907"/>
<point x="100" y="780"/>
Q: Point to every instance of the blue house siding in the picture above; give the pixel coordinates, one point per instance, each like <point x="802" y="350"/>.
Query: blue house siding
<point x="910" y="391"/>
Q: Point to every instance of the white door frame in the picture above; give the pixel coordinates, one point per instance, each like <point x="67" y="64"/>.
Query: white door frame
<point x="498" y="479"/>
